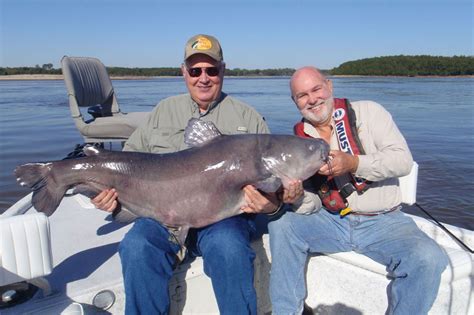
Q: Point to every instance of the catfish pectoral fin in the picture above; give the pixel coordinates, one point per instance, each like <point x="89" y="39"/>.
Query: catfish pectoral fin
<point x="86" y="190"/>
<point x="123" y="215"/>
<point x="270" y="184"/>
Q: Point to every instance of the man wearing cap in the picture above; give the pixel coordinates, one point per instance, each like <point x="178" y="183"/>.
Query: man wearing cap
<point x="147" y="252"/>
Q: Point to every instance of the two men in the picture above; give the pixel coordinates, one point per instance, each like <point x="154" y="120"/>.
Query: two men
<point x="356" y="208"/>
<point x="374" y="226"/>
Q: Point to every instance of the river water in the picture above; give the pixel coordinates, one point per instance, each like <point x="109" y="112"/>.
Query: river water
<point x="436" y="115"/>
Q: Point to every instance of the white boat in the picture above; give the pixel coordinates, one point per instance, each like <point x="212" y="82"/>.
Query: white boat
<point x="72" y="256"/>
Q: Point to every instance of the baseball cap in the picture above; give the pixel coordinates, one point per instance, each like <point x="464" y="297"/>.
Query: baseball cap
<point x="203" y="44"/>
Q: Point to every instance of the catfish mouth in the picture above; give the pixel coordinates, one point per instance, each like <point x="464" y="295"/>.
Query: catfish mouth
<point x="325" y="156"/>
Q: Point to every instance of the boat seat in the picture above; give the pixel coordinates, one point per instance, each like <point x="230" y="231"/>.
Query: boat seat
<point x="25" y="250"/>
<point x="88" y="85"/>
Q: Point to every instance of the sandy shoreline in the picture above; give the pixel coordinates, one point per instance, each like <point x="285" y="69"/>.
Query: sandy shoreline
<point x="22" y="77"/>
<point x="26" y="77"/>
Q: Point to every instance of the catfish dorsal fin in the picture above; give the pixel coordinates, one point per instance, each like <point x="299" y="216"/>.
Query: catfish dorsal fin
<point x="90" y="150"/>
<point x="199" y="132"/>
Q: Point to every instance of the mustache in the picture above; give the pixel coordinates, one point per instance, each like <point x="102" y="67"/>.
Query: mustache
<point x="311" y="106"/>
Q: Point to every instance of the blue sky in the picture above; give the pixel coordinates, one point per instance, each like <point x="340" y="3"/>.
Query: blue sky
<point x="254" y="34"/>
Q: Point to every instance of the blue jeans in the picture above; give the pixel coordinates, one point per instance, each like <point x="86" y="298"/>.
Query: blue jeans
<point x="413" y="259"/>
<point x="148" y="260"/>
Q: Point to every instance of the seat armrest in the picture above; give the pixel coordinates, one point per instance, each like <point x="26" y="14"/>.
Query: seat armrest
<point x="25" y="248"/>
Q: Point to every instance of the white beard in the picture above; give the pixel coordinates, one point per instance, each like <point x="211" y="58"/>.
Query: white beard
<point x="322" y="115"/>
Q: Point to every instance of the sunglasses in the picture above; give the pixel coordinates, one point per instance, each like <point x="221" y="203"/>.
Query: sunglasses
<point x="210" y="71"/>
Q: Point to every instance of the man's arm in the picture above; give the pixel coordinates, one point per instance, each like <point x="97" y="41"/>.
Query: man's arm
<point x="391" y="156"/>
<point x="139" y="140"/>
<point x="386" y="156"/>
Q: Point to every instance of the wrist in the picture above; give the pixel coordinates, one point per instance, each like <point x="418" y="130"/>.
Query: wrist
<point x="279" y="207"/>
<point x="355" y="164"/>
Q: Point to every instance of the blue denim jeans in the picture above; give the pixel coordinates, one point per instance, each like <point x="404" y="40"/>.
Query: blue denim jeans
<point x="413" y="259"/>
<point x="148" y="260"/>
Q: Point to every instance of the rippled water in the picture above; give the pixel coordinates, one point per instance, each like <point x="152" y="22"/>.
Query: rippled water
<point x="436" y="115"/>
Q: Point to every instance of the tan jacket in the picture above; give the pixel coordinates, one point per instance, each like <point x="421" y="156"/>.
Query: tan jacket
<point x="387" y="158"/>
<point x="164" y="130"/>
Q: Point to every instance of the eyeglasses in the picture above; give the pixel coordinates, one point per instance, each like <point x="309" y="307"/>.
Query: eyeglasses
<point x="210" y="71"/>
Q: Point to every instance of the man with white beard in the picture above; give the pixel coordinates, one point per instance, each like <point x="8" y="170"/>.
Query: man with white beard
<point x="352" y="203"/>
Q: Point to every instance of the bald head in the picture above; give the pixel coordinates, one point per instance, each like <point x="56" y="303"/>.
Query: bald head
<point x="305" y="73"/>
<point x="312" y="94"/>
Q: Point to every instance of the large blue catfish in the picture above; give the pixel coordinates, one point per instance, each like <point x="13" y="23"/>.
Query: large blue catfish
<point x="190" y="188"/>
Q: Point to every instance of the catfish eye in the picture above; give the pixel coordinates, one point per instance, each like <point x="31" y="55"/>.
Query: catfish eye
<point x="312" y="147"/>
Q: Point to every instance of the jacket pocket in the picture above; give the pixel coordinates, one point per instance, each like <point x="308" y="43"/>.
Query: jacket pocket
<point x="166" y="140"/>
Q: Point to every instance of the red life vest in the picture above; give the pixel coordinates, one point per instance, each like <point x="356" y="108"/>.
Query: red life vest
<point x="334" y="190"/>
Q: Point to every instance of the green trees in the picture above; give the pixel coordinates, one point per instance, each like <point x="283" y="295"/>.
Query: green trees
<point x="259" y="72"/>
<point x="47" y="66"/>
<point x="157" y="72"/>
<point x="146" y="72"/>
<point x="380" y="66"/>
<point x="45" y="69"/>
<point x="408" y="66"/>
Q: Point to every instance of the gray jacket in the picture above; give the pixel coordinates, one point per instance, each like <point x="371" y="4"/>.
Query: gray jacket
<point x="164" y="130"/>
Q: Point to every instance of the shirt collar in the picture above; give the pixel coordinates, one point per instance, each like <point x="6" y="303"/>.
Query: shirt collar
<point x="309" y="129"/>
<point x="211" y="106"/>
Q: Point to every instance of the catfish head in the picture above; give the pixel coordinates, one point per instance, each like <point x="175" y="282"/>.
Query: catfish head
<point x="291" y="157"/>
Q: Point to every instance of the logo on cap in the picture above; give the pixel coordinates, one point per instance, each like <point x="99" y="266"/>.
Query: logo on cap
<point x="201" y="43"/>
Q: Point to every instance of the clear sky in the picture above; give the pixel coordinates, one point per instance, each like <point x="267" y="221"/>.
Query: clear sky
<point x="253" y="33"/>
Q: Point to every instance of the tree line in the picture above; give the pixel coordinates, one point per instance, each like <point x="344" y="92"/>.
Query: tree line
<point x="45" y="69"/>
<point x="401" y="65"/>
<point x="408" y="66"/>
<point x="147" y="72"/>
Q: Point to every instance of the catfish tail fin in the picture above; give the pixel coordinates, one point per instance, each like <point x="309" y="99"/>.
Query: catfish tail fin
<point x="46" y="193"/>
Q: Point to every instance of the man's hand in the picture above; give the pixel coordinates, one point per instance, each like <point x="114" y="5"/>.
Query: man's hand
<point x="293" y="193"/>
<point x="258" y="202"/>
<point x="106" y="200"/>
<point x="339" y="163"/>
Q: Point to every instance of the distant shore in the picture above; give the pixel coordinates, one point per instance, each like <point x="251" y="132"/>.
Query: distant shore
<point x="26" y="77"/>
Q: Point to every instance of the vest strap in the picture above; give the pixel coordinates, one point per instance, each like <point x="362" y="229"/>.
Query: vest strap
<point x="334" y="191"/>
